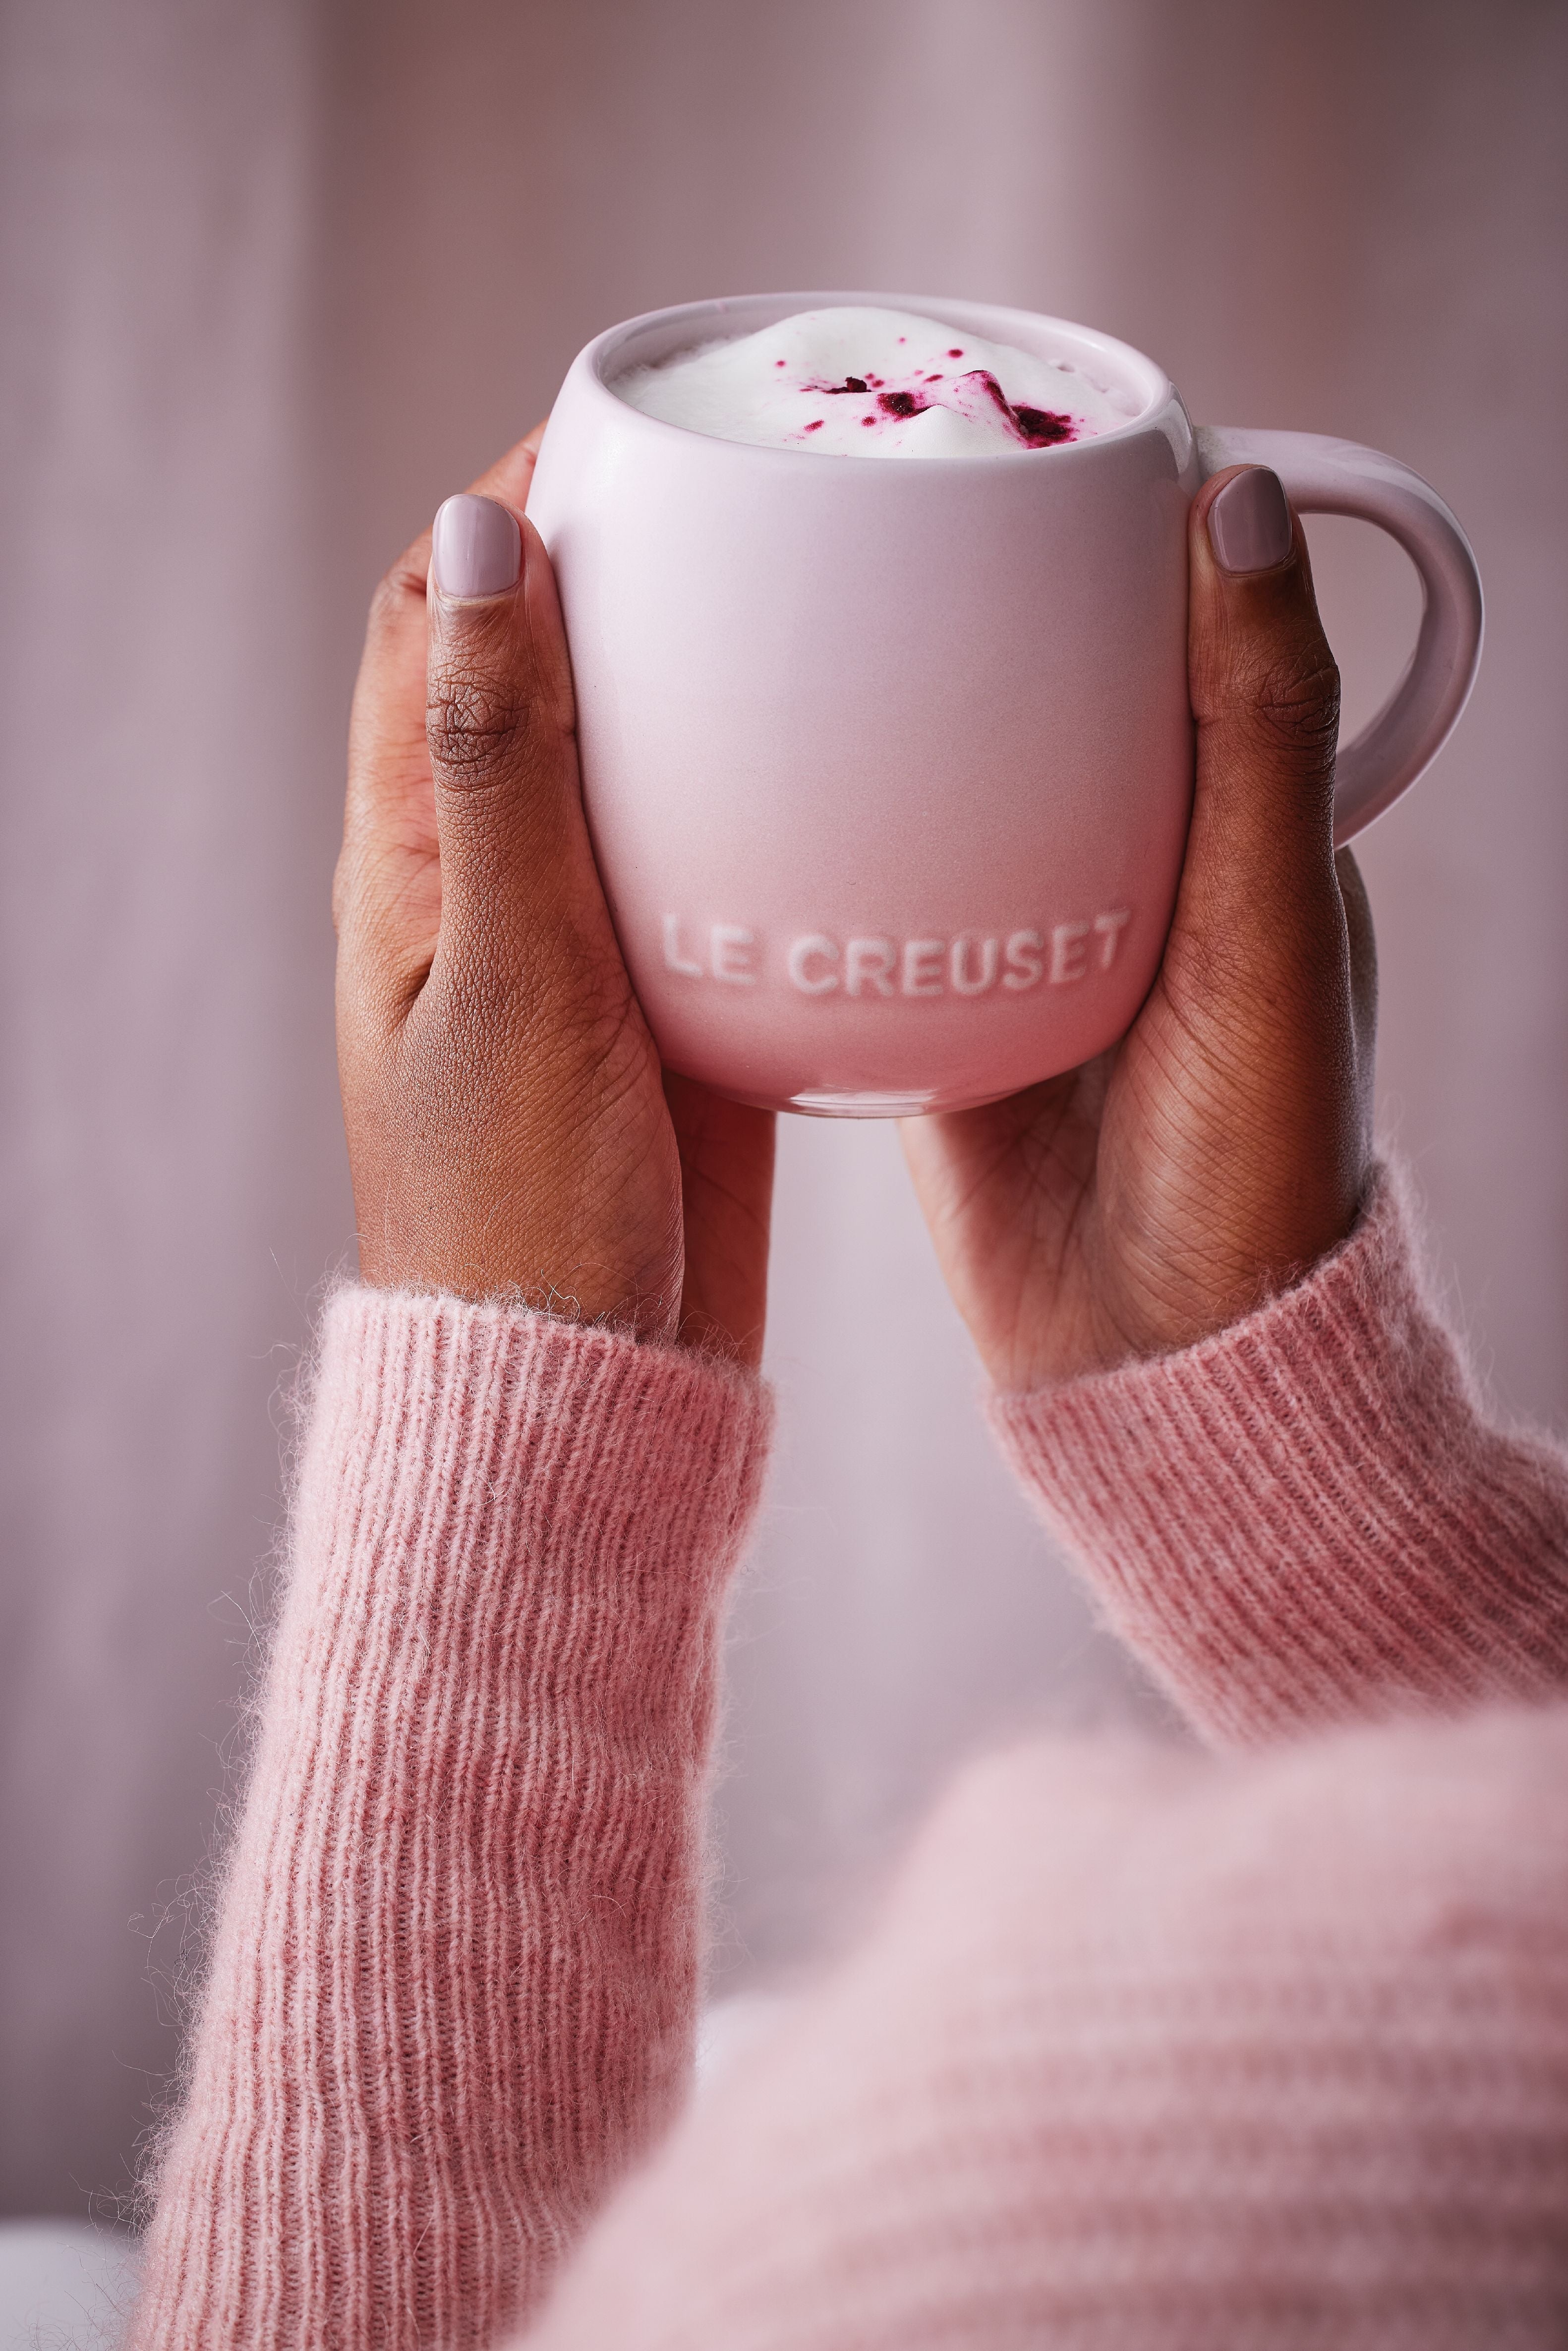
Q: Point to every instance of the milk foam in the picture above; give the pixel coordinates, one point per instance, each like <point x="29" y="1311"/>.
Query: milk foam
<point x="877" y="383"/>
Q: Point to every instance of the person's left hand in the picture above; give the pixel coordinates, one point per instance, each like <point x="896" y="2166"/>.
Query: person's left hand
<point x="510" y="1132"/>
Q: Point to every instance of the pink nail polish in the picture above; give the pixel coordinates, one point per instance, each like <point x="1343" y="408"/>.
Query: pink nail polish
<point x="1250" y="522"/>
<point x="476" y="547"/>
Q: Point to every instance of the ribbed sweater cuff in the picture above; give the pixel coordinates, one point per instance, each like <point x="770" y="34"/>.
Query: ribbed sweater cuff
<point x="1307" y="1518"/>
<point x="554" y="1510"/>
<point x="446" y="1431"/>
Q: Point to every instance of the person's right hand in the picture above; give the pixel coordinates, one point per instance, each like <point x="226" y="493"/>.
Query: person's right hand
<point x="1133" y="1207"/>
<point x="510" y="1133"/>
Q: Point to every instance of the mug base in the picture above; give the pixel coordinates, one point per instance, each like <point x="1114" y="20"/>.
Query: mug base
<point x="832" y="1103"/>
<point x="862" y="1105"/>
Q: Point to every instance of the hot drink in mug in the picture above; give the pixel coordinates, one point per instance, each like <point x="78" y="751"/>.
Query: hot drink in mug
<point x="888" y="766"/>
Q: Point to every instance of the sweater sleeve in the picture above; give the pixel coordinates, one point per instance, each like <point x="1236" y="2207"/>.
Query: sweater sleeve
<point x="1150" y="2050"/>
<point x="455" y="1963"/>
<point x="1309" y="1519"/>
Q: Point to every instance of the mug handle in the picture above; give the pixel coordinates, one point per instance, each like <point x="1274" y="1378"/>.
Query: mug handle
<point x="1326" y="477"/>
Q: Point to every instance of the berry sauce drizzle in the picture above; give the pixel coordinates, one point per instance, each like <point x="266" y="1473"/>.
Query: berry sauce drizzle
<point x="1031" y="428"/>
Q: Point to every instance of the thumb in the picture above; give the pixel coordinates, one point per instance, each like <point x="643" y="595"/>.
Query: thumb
<point x="1265" y="695"/>
<point x="516" y="872"/>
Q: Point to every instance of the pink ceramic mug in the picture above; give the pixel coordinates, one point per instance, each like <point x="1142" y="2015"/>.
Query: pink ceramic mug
<point x="888" y="765"/>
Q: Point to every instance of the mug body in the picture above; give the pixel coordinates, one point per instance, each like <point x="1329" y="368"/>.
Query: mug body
<point x="887" y="763"/>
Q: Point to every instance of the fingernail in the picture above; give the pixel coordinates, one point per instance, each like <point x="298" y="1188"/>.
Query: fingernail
<point x="476" y="547"/>
<point x="1249" y="523"/>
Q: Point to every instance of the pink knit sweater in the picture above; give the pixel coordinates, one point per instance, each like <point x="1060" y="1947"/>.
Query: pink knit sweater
<point x="1151" y="2051"/>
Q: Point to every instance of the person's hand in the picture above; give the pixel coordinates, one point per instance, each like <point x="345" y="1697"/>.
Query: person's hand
<point x="1136" y="1205"/>
<point x="510" y="1133"/>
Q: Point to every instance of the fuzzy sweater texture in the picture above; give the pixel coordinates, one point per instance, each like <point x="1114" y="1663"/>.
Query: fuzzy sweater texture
<point x="1258" y="2046"/>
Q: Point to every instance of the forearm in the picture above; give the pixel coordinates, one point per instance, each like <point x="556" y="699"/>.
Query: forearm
<point x="455" y="1963"/>
<point x="1309" y="1518"/>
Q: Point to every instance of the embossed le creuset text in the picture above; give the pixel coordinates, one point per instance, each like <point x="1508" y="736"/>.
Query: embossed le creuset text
<point x="737" y="955"/>
<point x="888" y="765"/>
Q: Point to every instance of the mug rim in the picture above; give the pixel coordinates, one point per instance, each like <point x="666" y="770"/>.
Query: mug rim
<point x="594" y="362"/>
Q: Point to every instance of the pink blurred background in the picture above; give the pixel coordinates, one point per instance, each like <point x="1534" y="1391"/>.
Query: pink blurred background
<point x="280" y="277"/>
